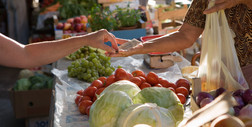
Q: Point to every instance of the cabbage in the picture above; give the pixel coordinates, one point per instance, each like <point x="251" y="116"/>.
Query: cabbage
<point x="163" y="97"/>
<point x="146" y="114"/>
<point x="22" y="84"/>
<point x="123" y="85"/>
<point x="107" y="108"/>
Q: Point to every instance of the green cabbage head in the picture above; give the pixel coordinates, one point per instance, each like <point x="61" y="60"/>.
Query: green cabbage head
<point x="148" y="114"/>
<point x="107" y="108"/>
<point x="163" y="97"/>
<point x="123" y="85"/>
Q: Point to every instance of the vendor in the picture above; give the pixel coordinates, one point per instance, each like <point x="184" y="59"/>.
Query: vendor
<point x="239" y="16"/>
<point x="15" y="54"/>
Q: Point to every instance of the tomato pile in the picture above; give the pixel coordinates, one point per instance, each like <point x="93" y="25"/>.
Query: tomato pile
<point x="85" y="98"/>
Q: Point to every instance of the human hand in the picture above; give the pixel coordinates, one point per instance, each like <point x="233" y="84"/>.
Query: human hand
<point x="222" y="4"/>
<point x="125" y="53"/>
<point x="102" y="36"/>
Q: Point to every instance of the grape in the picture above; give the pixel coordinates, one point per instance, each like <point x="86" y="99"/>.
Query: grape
<point x="89" y="64"/>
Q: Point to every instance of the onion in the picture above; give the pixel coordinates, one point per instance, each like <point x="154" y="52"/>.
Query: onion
<point x="238" y="92"/>
<point x="205" y="101"/>
<point x="247" y="96"/>
<point x="203" y="95"/>
<point x="236" y="110"/>
<point x="219" y="91"/>
<point x="246" y="111"/>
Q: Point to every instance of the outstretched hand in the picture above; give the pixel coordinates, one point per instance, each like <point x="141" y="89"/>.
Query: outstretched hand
<point x="222" y="4"/>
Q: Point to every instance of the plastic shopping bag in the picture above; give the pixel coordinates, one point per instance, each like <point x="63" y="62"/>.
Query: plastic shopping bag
<point x="219" y="65"/>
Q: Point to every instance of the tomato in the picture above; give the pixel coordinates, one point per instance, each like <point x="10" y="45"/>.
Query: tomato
<point x="88" y="109"/>
<point x="144" y="85"/>
<point x="167" y="84"/>
<point x="181" y="97"/>
<point x="183" y="82"/>
<point x="80" y="92"/>
<point x="182" y="90"/>
<point x="103" y="79"/>
<point x="152" y="78"/>
<point x="94" y="98"/>
<point x="138" y="73"/>
<point x="97" y="83"/>
<point x="172" y="89"/>
<point x="158" y="85"/>
<point x="121" y="74"/>
<point x="78" y="99"/>
<point x="90" y="91"/>
<point x="83" y="105"/>
<point x="99" y="91"/>
<point x="130" y="76"/>
<point x="111" y="79"/>
<point x="136" y="80"/>
<point x="142" y="78"/>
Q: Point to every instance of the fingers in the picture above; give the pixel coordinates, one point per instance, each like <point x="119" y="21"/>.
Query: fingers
<point x="216" y="7"/>
<point x="121" y="41"/>
<point x="108" y="49"/>
<point x="113" y="41"/>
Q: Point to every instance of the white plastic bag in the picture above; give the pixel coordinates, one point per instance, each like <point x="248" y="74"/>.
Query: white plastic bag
<point x="219" y="65"/>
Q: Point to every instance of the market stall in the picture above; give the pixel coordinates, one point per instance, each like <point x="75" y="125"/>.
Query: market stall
<point x="65" y="111"/>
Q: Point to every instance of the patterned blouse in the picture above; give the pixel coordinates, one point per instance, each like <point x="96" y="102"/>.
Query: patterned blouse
<point x="240" y="21"/>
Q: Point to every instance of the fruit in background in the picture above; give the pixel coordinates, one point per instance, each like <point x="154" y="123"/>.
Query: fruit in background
<point x="183" y="82"/>
<point x="220" y="91"/>
<point x="67" y="26"/>
<point x="83" y="19"/>
<point x="205" y="101"/>
<point x="121" y="74"/>
<point x="60" y="25"/>
<point x="77" y="20"/>
<point x="70" y="20"/>
<point x="247" y="96"/>
<point x="203" y="95"/>
<point x="152" y="78"/>
<point x="78" y="27"/>
<point x="181" y="97"/>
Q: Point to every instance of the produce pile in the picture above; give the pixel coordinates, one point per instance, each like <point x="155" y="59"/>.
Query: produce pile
<point x="89" y="64"/>
<point x="28" y="80"/>
<point x="243" y="98"/>
<point x="128" y="99"/>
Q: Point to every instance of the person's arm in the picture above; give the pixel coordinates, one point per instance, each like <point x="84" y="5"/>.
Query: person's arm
<point x="223" y="4"/>
<point x="14" y="54"/>
<point x="182" y="39"/>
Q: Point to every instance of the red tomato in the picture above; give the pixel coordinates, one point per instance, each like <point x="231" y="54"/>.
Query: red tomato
<point x="142" y="78"/>
<point x="103" y="79"/>
<point x="182" y="90"/>
<point x="88" y="109"/>
<point x="181" y="97"/>
<point x="172" y="89"/>
<point x="121" y="74"/>
<point x="94" y="98"/>
<point x="144" y="85"/>
<point x="99" y="91"/>
<point x="86" y="98"/>
<point x="83" y="105"/>
<point x="183" y="82"/>
<point x="130" y="76"/>
<point x="111" y="79"/>
<point x="152" y="78"/>
<point x="97" y="83"/>
<point x="90" y="91"/>
<point x="167" y="84"/>
<point x="158" y="85"/>
<point x="78" y="99"/>
<point x="138" y="73"/>
<point x="80" y="92"/>
<point x="136" y="80"/>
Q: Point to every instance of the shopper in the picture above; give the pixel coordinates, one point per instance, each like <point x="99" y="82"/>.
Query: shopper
<point x="239" y="16"/>
<point x="15" y="54"/>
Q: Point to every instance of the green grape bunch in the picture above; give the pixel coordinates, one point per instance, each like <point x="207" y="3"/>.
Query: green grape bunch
<point x="82" y="53"/>
<point x="91" y="67"/>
